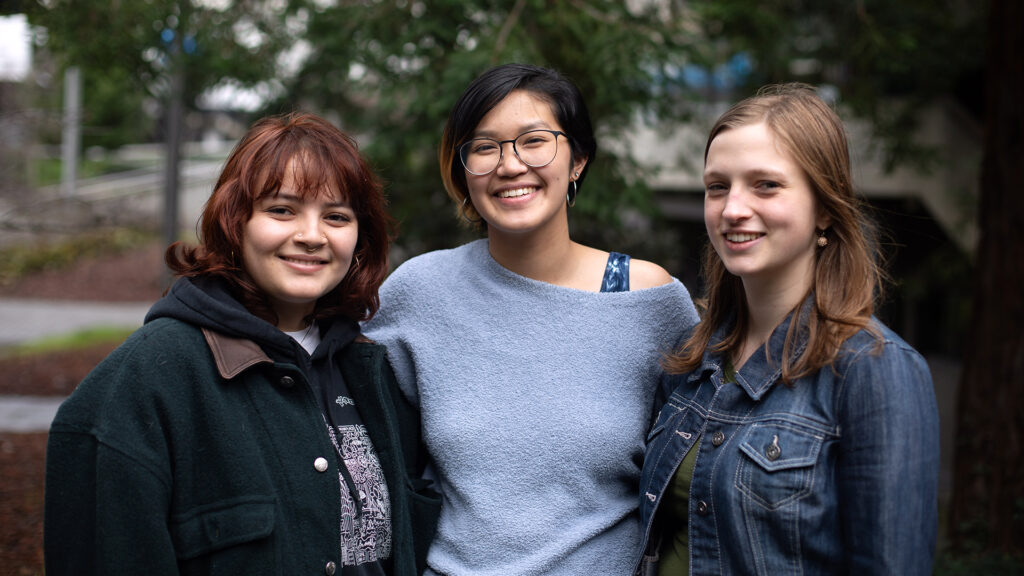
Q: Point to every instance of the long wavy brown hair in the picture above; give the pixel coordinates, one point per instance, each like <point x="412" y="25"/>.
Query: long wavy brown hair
<point x="320" y="157"/>
<point x="847" y="275"/>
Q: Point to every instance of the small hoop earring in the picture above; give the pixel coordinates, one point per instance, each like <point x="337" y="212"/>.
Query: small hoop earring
<point x="570" y="196"/>
<point x="822" y="240"/>
<point x="462" y="212"/>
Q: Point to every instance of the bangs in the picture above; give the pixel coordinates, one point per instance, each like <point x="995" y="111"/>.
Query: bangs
<point x="314" y="173"/>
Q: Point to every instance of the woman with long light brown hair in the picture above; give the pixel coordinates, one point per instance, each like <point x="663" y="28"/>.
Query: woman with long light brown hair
<point x="800" y="434"/>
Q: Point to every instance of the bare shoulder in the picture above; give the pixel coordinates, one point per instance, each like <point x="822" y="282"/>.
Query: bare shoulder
<point x="644" y="274"/>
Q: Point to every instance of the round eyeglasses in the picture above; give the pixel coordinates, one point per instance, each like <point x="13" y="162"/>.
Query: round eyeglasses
<point x="536" y="148"/>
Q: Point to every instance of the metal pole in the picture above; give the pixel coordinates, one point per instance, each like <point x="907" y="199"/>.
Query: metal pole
<point x="175" y="113"/>
<point x="71" y="140"/>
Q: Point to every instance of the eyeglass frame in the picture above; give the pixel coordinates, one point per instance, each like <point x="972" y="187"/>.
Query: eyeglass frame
<point x="501" y="150"/>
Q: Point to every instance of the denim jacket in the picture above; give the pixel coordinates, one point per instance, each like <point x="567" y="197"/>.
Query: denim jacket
<point x="836" y="474"/>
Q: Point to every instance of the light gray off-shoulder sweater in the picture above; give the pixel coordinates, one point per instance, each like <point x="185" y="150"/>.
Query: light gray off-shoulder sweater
<point x="535" y="400"/>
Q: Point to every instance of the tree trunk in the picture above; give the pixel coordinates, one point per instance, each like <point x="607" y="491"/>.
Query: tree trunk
<point x="988" y="483"/>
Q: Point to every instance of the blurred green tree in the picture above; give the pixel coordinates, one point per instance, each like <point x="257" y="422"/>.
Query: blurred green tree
<point x="887" y="60"/>
<point x="391" y="71"/>
<point x="125" y="52"/>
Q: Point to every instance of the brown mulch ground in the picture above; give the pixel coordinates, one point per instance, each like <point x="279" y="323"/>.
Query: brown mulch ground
<point x="49" y="374"/>
<point x="136" y="275"/>
<point x="132" y="276"/>
<point x="21" y="503"/>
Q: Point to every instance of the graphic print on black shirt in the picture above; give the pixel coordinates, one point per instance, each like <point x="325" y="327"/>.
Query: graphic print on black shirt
<point x="366" y="525"/>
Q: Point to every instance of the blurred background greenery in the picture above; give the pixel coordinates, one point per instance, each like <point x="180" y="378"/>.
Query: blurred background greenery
<point x="913" y="79"/>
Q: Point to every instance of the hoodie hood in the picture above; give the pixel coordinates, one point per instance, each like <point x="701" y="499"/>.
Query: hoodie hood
<point x="207" y="302"/>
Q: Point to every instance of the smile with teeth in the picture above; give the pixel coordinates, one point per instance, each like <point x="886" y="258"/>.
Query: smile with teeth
<point x="742" y="237"/>
<point x="302" y="262"/>
<point x="515" y="193"/>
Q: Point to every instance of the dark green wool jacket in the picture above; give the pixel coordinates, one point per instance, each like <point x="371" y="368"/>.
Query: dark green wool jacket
<point x="191" y="451"/>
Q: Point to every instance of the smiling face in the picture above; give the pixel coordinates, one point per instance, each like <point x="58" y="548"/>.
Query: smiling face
<point x="516" y="199"/>
<point x="296" y="250"/>
<point x="760" y="210"/>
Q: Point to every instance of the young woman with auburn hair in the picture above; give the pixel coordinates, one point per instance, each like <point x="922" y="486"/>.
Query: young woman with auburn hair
<point x="800" y="434"/>
<point x="248" y="427"/>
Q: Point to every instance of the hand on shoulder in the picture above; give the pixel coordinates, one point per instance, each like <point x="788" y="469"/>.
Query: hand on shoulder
<point x="644" y="274"/>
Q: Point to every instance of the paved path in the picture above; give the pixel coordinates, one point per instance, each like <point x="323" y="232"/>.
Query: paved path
<point x="24" y="414"/>
<point x="23" y="320"/>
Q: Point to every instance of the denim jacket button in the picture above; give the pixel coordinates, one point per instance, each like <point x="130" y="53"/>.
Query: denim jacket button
<point x="702" y="508"/>
<point x="773" y="451"/>
<point x="717" y="438"/>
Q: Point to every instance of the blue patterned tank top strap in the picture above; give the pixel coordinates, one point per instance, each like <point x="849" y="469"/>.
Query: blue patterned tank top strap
<point x="616" y="273"/>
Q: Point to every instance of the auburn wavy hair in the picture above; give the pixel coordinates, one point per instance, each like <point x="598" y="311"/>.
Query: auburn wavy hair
<point x="320" y="157"/>
<point x="847" y="274"/>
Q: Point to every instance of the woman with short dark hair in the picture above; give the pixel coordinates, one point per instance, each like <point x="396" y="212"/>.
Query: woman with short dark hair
<point x="533" y="358"/>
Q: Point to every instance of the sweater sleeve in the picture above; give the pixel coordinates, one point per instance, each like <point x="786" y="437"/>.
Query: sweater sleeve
<point x="392" y="324"/>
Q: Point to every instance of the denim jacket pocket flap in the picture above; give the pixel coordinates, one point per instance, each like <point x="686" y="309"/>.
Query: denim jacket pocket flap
<point x="779" y="464"/>
<point x="221" y="526"/>
<point x="780" y="447"/>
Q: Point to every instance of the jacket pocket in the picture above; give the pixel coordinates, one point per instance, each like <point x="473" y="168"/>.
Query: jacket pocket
<point x="221" y="526"/>
<point x="777" y="463"/>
